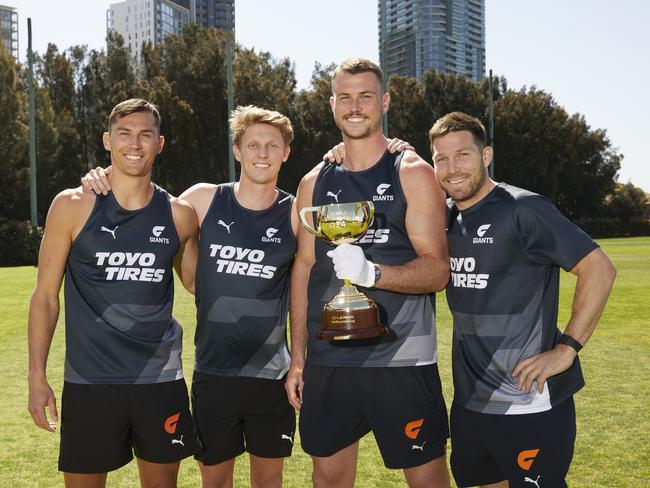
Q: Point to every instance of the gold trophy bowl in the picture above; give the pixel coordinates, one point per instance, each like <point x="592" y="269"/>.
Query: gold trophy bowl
<point x="350" y="314"/>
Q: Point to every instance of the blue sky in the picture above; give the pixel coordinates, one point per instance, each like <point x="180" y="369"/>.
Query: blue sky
<point x="592" y="55"/>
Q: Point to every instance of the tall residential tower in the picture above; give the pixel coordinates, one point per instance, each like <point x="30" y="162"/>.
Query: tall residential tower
<point x="139" y="21"/>
<point x="417" y="35"/>
<point x="9" y="29"/>
<point x="212" y="13"/>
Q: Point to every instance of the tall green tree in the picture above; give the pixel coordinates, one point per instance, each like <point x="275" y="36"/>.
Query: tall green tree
<point x="260" y="80"/>
<point x="55" y="72"/>
<point x="186" y="77"/>
<point x="408" y="117"/>
<point x="542" y="148"/>
<point x="627" y="202"/>
<point x="60" y="152"/>
<point x="444" y="93"/>
<point x="14" y="161"/>
<point x="108" y="78"/>
<point x="50" y="150"/>
<point x="314" y="126"/>
<point x="589" y="172"/>
<point x="78" y="57"/>
<point x="530" y="129"/>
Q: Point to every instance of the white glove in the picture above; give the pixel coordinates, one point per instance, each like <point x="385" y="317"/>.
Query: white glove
<point x="351" y="264"/>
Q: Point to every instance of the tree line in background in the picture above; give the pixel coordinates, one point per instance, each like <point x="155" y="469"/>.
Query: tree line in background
<point x="538" y="145"/>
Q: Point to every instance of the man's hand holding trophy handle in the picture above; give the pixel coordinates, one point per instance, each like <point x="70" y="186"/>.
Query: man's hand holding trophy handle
<point x="351" y="264"/>
<point x="350" y="314"/>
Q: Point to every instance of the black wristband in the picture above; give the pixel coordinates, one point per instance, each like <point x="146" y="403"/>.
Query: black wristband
<point x="571" y="342"/>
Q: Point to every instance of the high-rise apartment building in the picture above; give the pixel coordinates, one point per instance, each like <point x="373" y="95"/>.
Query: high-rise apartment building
<point x="139" y="21"/>
<point x="212" y="13"/>
<point x="9" y="29"/>
<point x="417" y="35"/>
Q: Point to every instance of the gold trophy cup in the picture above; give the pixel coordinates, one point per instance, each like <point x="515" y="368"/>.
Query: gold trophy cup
<point x="350" y="314"/>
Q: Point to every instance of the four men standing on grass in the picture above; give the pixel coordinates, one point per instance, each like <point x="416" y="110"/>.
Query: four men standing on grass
<point x="514" y="372"/>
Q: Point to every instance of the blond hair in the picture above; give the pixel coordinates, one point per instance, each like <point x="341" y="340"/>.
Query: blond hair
<point x="243" y="117"/>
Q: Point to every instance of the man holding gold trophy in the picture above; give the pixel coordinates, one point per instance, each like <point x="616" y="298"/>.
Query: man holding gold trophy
<point x="350" y="314"/>
<point x="371" y="353"/>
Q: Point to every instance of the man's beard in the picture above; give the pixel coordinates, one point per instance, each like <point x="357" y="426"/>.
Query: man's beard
<point x="473" y="187"/>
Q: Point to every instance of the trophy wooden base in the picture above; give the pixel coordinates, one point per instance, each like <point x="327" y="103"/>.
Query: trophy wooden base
<point x="350" y="315"/>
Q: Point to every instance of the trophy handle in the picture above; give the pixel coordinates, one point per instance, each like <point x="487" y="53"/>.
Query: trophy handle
<point x="370" y="211"/>
<point x="308" y="227"/>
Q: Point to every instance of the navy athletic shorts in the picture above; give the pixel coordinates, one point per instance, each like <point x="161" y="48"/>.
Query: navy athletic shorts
<point x="527" y="450"/>
<point x="402" y="406"/>
<point x="103" y="425"/>
<point x="234" y="414"/>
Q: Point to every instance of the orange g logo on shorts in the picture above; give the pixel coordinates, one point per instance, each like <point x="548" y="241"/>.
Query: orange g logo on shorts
<point x="412" y="429"/>
<point x="170" y="423"/>
<point x="526" y="458"/>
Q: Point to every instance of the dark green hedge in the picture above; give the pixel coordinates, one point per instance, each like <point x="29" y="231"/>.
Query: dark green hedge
<point x="19" y="243"/>
<point x="613" y="227"/>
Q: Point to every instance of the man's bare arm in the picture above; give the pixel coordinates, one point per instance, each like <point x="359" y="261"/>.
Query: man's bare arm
<point x="187" y="228"/>
<point x="295" y="220"/>
<point x="425" y="225"/>
<point x="596" y="275"/>
<point x="66" y="216"/>
<point x="200" y="197"/>
<point x="305" y="258"/>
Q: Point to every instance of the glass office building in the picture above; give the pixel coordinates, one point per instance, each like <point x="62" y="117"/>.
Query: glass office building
<point x="417" y="35"/>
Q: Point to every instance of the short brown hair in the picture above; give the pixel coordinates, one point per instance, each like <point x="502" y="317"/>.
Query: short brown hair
<point x="456" y="122"/>
<point x="355" y="66"/>
<point x="131" y="106"/>
<point x="243" y="117"/>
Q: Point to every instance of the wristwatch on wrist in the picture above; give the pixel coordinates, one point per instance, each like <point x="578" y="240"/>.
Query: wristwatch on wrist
<point x="377" y="274"/>
<point x="570" y="341"/>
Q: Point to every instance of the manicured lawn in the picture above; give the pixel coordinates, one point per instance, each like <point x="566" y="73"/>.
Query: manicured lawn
<point x="612" y="449"/>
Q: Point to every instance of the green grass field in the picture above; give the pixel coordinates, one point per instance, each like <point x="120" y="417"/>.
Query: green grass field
<point x="612" y="449"/>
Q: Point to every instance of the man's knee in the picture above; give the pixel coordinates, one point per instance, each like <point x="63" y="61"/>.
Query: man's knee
<point x="159" y="478"/>
<point x="329" y="478"/>
<point x="78" y="480"/>
<point x="329" y="473"/>
<point x="433" y="474"/>
<point x="217" y="475"/>
<point x="266" y="473"/>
